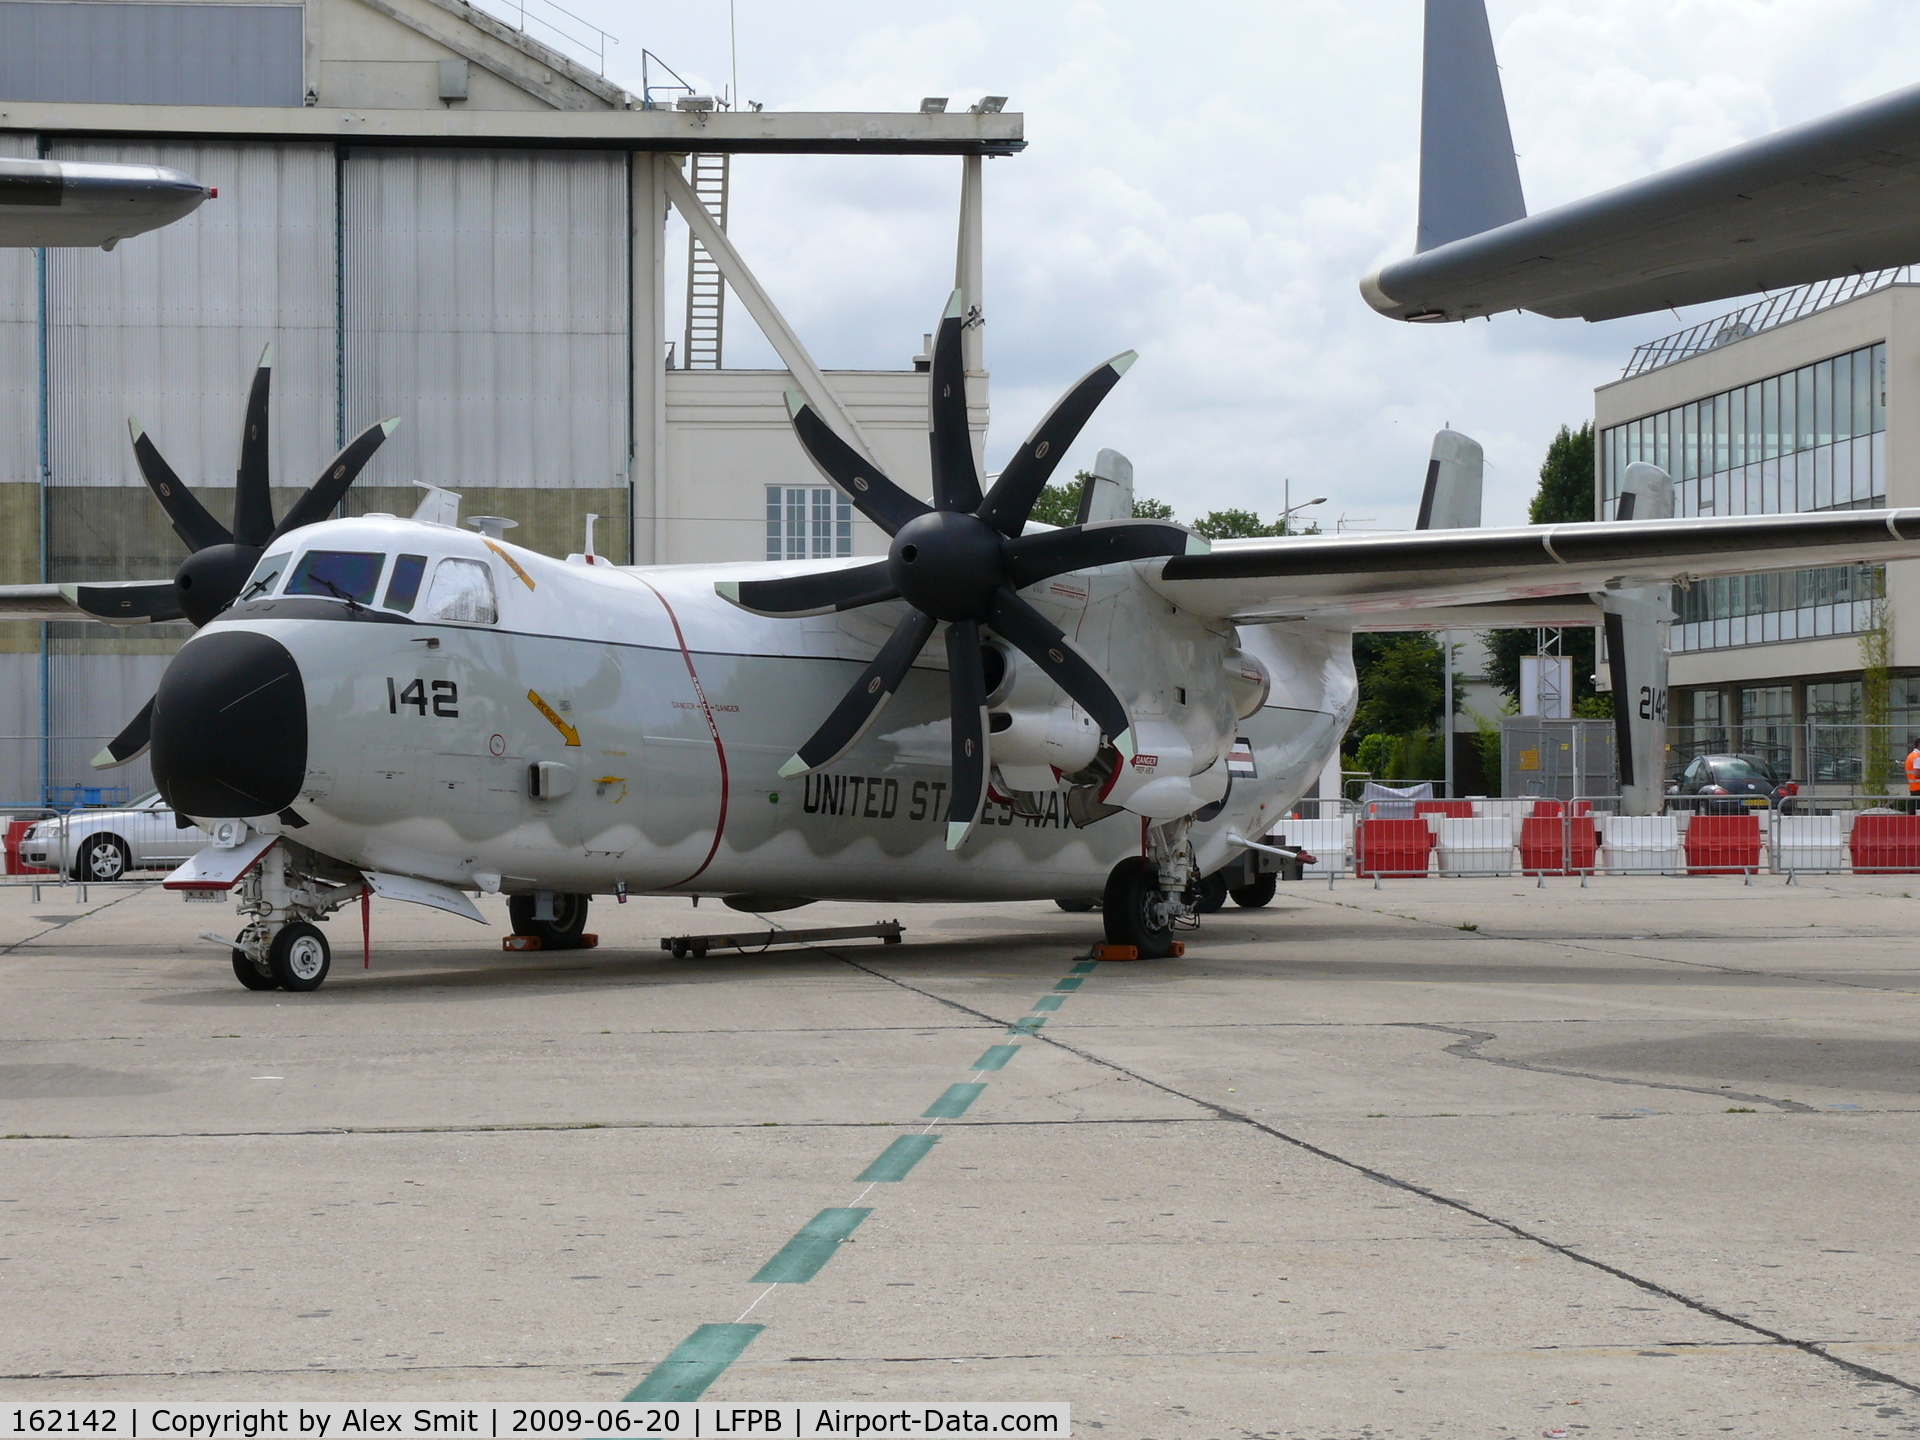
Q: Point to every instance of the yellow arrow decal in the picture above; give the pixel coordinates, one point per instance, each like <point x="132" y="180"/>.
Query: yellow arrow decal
<point x="573" y="735"/>
<point x="512" y="564"/>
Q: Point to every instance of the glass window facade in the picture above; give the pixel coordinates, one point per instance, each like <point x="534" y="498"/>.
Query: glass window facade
<point x="808" y="522"/>
<point x="1775" y="605"/>
<point x="1811" y="439"/>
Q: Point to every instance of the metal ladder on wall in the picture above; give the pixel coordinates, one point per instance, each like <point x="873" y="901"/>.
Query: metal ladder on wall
<point x="706" y="290"/>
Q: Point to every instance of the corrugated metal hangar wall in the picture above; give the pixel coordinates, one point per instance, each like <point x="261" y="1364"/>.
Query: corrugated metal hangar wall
<point x="482" y="296"/>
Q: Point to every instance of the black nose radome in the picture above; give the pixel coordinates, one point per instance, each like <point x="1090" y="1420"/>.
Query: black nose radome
<point x="230" y="727"/>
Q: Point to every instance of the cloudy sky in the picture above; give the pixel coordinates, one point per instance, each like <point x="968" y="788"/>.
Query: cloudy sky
<point x="1205" y="183"/>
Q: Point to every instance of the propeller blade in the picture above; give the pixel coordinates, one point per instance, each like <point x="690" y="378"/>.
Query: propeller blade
<point x="1033" y="558"/>
<point x="867" y="697"/>
<point x="872" y="493"/>
<point x="956" y="480"/>
<point x="341" y="471"/>
<point x="252" y="500"/>
<point x="120" y="603"/>
<point x="191" y="522"/>
<point x="1011" y="500"/>
<point x="967" y="688"/>
<point x="131" y="743"/>
<point x="1042" y="642"/>
<point x="819" y="593"/>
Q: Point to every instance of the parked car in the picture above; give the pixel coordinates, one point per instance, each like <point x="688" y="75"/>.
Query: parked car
<point x="103" y="845"/>
<point x="1728" y="784"/>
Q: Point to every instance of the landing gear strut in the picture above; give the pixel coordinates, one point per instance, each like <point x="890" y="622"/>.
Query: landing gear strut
<point x="289" y="889"/>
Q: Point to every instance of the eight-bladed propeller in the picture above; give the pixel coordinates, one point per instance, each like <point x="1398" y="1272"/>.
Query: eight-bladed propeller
<point x="209" y="579"/>
<point x="961" y="561"/>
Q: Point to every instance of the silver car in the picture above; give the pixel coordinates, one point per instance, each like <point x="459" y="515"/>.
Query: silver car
<point x="102" y="845"/>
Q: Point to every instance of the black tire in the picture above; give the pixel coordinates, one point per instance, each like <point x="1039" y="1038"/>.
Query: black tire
<point x="563" y="932"/>
<point x="248" y="974"/>
<point x="1252" y="897"/>
<point x="101" y="860"/>
<point x="1076" y="907"/>
<point x="299" y="958"/>
<point x="1213" y="894"/>
<point x="1133" y="911"/>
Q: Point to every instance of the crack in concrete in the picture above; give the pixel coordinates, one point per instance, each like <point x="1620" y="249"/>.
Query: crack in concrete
<point x="84" y="914"/>
<point x="1468" y="1048"/>
<point x="1812" y="1348"/>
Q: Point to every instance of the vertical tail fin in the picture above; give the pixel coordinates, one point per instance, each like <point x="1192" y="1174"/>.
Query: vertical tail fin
<point x="1638" y="620"/>
<point x="1451" y="498"/>
<point x="1469" y="181"/>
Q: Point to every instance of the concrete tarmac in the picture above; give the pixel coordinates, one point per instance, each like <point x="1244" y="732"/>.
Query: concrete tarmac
<point x="1446" y="1158"/>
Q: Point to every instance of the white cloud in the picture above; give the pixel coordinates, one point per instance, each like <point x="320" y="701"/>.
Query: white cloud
<point x="1206" y="183"/>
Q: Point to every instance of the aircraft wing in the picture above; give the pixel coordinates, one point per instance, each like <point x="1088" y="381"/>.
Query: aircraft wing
<point x="119" y="602"/>
<point x="1369" y="580"/>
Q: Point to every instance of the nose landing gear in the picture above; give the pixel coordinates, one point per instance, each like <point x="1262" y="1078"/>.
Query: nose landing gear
<point x="285" y="893"/>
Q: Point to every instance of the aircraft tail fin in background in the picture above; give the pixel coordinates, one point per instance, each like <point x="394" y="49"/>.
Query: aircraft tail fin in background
<point x="1451" y="498"/>
<point x="1638" y="620"/>
<point x="1469" y="180"/>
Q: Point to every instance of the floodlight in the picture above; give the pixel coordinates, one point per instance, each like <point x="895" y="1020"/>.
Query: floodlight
<point x="991" y="105"/>
<point x="694" y="102"/>
<point x="934" y="105"/>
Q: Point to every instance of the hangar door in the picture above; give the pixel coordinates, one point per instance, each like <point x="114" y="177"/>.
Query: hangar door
<point x="485" y="302"/>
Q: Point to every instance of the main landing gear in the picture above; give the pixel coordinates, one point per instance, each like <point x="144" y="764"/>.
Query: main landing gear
<point x="557" y="920"/>
<point x="285" y="893"/>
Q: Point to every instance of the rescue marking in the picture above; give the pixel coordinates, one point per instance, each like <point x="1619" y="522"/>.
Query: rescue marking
<point x="572" y="735"/>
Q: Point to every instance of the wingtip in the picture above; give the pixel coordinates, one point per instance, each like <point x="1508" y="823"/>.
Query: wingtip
<point x="957" y="832"/>
<point x="1123" y="362"/>
<point x="793" y="767"/>
<point x="956" y="306"/>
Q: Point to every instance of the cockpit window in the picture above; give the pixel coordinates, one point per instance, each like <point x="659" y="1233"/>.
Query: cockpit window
<point x="265" y="574"/>
<point x="462" y="591"/>
<point x="404" y="588"/>
<point x="342" y="574"/>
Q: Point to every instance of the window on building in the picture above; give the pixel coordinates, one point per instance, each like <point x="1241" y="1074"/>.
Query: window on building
<point x="1762" y="609"/>
<point x="1811" y="439"/>
<point x="1833" y="731"/>
<point x="1766" y="725"/>
<point x="808" y="522"/>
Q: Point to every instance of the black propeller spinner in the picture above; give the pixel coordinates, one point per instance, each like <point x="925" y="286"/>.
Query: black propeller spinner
<point x="209" y="579"/>
<point x="961" y="561"/>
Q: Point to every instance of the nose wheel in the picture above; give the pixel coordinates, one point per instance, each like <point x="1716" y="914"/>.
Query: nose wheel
<point x="1135" y="911"/>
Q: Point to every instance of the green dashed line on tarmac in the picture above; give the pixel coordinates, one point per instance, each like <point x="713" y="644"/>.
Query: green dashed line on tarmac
<point x="703" y="1356"/>
<point x="696" y="1363"/>
<point x="898" y="1158"/>
<point x="954" y="1103"/>
<point x="801" y="1258"/>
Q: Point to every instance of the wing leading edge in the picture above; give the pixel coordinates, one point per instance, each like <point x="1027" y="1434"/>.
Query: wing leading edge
<point x="1343" y="578"/>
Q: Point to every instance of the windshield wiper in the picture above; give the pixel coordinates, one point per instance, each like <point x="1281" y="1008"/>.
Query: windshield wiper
<point x="353" y="605"/>
<point x="248" y="593"/>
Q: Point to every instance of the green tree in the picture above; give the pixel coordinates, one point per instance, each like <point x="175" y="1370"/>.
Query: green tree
<point x="1566" y="491"/>
<point x="1402" y="684"/>
<point x="1060" y="504"/>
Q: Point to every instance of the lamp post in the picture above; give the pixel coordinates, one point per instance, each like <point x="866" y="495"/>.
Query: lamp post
<point x="1287" y="501"/>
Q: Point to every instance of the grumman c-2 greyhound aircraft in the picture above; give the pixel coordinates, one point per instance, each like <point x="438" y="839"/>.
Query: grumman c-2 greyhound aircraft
<point x="403" y="707"/>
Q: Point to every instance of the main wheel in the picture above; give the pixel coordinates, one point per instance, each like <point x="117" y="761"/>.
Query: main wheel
<point x="1213" y="894"/>
<point x="102" y="858"/>
<point x="1252" y="897"/>
<point x="563" y="932"/>
<point x="1075" y="907"/>
<point x="248" y="973"/>
<point x="299" y="957"/>
<point x="1135" y="912"/>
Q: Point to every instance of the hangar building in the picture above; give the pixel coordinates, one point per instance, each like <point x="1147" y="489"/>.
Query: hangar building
<point x="430" y="213"/>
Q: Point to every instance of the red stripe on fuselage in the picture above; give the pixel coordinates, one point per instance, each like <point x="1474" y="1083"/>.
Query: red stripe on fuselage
<point x="713" y="728"/>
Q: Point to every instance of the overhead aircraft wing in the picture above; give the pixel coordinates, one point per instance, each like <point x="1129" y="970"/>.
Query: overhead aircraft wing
<point x="77" y="202"/>
<point x="117" y="602"/>
<point x="1835" y="196"/>
<point x="1346" y="578"/>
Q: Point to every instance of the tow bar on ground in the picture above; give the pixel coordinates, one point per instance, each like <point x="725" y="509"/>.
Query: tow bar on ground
<point x="888" y="932"/>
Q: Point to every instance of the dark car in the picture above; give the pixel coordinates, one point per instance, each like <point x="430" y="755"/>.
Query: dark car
<point x="1728" y="784"/>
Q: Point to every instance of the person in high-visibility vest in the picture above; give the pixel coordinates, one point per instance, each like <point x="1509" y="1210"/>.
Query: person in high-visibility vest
<point x="1913" y="776"/>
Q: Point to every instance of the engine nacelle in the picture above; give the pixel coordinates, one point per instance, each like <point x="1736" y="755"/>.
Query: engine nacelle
<point x="1248" y="683"/>
<point x="1032" y="733"/>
